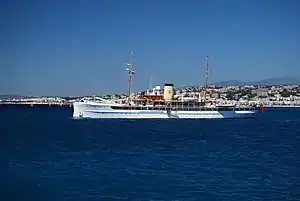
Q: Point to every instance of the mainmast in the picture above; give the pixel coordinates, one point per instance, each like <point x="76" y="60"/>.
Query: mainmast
<point x="206" y="79"/>
<point x="130" y="77"/>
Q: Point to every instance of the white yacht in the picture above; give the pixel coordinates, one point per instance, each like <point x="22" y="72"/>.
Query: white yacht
<point x="160" y="103"/>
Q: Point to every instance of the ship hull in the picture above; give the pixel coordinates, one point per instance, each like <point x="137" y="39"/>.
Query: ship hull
<point x="104" y="111"/>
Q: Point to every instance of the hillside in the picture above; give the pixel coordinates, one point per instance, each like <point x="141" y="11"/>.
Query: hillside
<point x="288" y="80"/>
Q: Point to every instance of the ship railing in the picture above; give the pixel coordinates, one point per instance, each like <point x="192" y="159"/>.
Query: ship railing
<point x="95" y="99"/>
<point x="183" y="106"/>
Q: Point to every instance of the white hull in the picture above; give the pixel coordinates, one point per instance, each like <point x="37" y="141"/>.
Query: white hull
<point x="104" y="111"/>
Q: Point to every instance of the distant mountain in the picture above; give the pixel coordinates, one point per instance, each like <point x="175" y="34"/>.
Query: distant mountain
<point x="288" y="80"/>
<point x="10" y="96"/>
<point x="280" y="81"/>
<point x="230" y="83"/>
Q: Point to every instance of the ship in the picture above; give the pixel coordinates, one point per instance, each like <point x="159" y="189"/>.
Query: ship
<point x="161" y="103"/>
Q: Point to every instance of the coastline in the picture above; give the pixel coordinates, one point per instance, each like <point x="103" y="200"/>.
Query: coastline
<point x="69" y="104"/>
<point x="282" y="106"/>
<point x="38" y="104"/>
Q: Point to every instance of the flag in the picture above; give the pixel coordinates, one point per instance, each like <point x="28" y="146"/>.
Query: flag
<point x="262" y="109"/>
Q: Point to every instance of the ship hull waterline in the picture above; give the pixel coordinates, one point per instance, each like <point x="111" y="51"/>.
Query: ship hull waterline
<point x="104" y="111"/>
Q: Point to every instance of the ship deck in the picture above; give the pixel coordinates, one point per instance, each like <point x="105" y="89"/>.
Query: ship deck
<point x="183" y="107"/>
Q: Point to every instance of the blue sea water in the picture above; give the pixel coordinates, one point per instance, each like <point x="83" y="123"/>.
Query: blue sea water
<point x="47" y="155"/>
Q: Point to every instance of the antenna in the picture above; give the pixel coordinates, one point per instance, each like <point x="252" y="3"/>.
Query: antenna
<point x="206" y="78"/>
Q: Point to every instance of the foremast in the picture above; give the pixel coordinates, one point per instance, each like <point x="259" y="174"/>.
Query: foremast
<point x="206" y="79"/>
<point x="131" y="72"/>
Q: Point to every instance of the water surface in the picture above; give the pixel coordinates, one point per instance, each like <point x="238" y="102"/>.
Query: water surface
<point x="47" y="155"/>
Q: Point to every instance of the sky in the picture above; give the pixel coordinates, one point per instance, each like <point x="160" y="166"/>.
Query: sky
<point x="75" y="47"/>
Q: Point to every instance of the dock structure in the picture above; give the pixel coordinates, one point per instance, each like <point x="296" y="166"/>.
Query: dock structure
<point x="37" y="101"/>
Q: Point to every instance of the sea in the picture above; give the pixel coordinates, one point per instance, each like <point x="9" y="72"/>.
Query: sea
<point x="46" y="155"/>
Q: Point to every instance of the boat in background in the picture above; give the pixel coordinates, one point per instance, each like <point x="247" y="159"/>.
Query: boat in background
<point x="161" y="103"/>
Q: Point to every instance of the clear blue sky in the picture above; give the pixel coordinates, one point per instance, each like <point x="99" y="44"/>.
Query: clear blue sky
<point x="76" y="47"/>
